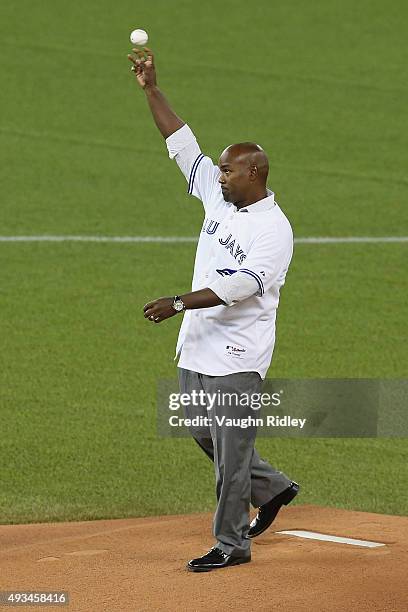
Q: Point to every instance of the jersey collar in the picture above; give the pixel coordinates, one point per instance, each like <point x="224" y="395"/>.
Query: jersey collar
<point x="260" y="206"/>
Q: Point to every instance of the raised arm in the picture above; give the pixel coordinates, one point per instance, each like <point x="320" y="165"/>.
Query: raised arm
<point x="145" y="72"/>
<point x="200" y="172"/>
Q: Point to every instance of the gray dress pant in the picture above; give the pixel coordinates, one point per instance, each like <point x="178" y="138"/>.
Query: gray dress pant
<point x="241" y="475"/>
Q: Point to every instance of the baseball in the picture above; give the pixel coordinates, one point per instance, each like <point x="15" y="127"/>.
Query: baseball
<point x="139" y="37"/>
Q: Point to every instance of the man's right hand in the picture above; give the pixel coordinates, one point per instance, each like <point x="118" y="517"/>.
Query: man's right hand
<point x="143" y="67"/>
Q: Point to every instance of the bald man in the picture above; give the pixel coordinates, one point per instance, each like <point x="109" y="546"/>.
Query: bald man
<point x="227" y="335"/>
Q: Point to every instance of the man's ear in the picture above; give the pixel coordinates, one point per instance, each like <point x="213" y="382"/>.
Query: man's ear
<point x="253" y="173"/>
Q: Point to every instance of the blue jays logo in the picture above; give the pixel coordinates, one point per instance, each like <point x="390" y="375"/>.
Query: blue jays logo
<point x="233" y="248"/>
<point x="226" y="272"/>
<point x="210" y="226"/>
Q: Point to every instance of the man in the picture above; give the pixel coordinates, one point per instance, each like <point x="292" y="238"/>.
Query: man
<point x="227" y="335"/>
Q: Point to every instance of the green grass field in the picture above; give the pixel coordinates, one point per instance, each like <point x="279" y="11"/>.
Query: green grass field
<point x="323" y="89"/>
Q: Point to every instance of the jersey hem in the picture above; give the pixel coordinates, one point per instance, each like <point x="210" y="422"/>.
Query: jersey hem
<point x="212" y="373"/>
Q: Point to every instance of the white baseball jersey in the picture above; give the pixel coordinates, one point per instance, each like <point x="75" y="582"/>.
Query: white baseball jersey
<point x="243" y="256"/>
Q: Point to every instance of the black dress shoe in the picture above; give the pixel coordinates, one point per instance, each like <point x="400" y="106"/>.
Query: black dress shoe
<point x="215" y="559"/>
<point x="267" y="513"/>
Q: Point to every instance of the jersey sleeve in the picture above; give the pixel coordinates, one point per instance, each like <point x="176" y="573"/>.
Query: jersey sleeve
<point x="200" y="172"/>
<point x="266" y="265"/>
<point x="234" y="288"/>
<point x="269" y="258"/>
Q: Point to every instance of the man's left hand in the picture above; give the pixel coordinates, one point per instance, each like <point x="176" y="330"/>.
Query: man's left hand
<point x="159" y="310"/>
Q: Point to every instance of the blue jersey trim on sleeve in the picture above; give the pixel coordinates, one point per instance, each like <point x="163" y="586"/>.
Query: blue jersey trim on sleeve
<point x="256" y="277"/>
<point x="193" y="172"/>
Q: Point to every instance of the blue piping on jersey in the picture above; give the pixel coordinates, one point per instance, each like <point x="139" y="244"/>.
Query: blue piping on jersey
<point x="193" y="173"/>
<point x="255" y="276"/>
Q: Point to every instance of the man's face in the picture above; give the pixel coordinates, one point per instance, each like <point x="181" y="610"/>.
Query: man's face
<point x="234" y="178"/>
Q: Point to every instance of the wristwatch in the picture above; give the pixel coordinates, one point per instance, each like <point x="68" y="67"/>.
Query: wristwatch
<point x="178" y="304"/>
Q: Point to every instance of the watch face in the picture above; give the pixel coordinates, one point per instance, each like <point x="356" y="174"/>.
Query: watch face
<point x="178" y="305"/>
